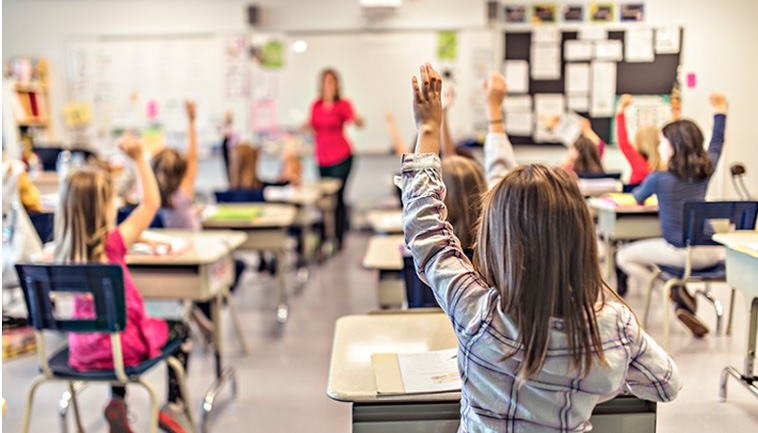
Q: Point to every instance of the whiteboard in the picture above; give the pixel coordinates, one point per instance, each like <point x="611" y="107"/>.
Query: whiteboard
<point x="121" y="76"/>
<point x="375" y="75"/>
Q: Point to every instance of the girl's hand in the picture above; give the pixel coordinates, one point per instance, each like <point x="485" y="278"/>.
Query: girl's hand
<point x="132" y="146"/>
<point x="496" y="89"/>
<point x="718" y="102"/>
<point x="624" y="102"/>
<point x="427" y="102"/>
<point x="189" y="107"/>
<point x="585" y="125"/>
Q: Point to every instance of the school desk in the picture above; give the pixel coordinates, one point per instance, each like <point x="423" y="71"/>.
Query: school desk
<point x="386" y="221"/>
<point x="742" y="274"/>
<point x="384" y="254"/>
<point x="329" y="188"/>
<point x="45" y="181"/>
<point x="623" y="223"/>
<point x="351" y="379"/>
<point x="267" y="232"/>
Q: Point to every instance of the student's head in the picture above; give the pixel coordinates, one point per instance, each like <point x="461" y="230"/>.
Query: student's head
<point x="243" y="173"/>
<point x="86" y="211"/>
<point x="682" y="150"/>
<point x="169" y="167"/>
<point x="536" y="243"/>
<point x="585" y="157"/>
<point x="465" y="183"/>
<point x="647" y="140"/>
<point x="330" y="85"/>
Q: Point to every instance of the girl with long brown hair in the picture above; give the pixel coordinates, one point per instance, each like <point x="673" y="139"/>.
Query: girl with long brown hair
<point x="542" y="339"/>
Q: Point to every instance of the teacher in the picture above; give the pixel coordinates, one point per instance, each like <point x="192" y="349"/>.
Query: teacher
<point x="329" y="114"/>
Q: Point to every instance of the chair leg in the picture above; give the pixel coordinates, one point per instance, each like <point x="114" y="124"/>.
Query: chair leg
<point x="716" y="305"/>
<point x="666" y="314"/>
<point x="30" y="401"/>
<point x="181" y="378"/>
<point x="648" y="296"/>
<point x="75" y="404"/>
<point x="153" y="405"/>
<point x="731" y="312"/>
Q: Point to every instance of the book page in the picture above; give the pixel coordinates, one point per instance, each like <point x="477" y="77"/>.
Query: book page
<point x="430" y="372"/>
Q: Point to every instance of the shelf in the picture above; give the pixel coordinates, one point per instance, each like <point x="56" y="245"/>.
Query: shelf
<point x="34" y="122"/>
<point x="31" y="88"/>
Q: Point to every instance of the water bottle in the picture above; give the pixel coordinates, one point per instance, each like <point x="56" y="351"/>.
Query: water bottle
<point x="63" y="165"/>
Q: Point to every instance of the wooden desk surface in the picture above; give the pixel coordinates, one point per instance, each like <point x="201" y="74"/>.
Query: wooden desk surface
<point x="305" y="195"/>
<point x="386" y="221"/>
<point x="744" y="241"/>
<point x="384" y="253"/>
<point x="603" y="205"/>
<point x="273" y="216"/>
<point x="351" y="376"/>
<point x="207" y="246"/>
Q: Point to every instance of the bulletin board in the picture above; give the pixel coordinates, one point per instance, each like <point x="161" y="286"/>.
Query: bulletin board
<point x="651" y="78"/>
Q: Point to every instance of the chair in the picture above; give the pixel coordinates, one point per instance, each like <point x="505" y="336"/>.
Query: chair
<point x="240" y="196"/>
<point x="417" y="293"/>
<point x="124" y="212"/>
<point x="616" y="176"/>
<point x="43" y="223"/>
<point x="697" y="232"/>
<point x="627" y="188"/>
<point x="105" y="284"/>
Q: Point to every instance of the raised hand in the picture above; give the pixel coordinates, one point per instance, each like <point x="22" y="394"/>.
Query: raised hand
<point x="427" y="109"/>
<point x="496" y="89"/>
<point x="718" y="102"/>
<point x="131" y="145"/>
<point x="624" y="102"/>
<point x="189" y="107"/>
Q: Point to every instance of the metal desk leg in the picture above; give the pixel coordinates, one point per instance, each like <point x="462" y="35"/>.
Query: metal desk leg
<point x="747" y="379"/>
<point x="282" y="309"/>
<point x="223" y="375"/>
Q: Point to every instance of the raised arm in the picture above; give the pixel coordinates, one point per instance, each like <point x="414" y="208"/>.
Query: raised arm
<point x="590" y="133"/>
<point x="188" y="181"/>
<point x="436" y="251"/>
<point x="719" y="104"/>
<point x="142" y="216"/>
<point x="397" y="141"/>
<point x="622" y="137"/>
<point x="498" y="151"/>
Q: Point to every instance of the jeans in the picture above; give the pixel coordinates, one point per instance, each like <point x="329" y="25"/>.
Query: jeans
<point x="340" y="171"/>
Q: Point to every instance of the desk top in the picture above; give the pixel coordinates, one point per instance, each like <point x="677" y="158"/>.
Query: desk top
<point x="351" y="376"/>
<point x="272" y="216"/>
<point x="604" y="205"/>
<point x="44" y="177"/>
<point x="384" y="253"/>
<point x="206" y="247"/>
<point x="386" y="221"/>
<point x="744" y="241"/>
<point x="305" y="195"/>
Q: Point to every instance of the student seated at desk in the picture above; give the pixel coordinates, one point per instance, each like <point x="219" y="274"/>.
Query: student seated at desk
<point x="84" y="233"/>
<point x="176" y="176"/>
<point x="643" y="156"/>
<point x="583" y="157"/>
<point x="542" y="339"/>
<point x="690" y="168"/>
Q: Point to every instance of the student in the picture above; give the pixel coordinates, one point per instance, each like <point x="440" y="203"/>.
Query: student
<point x="643" y="157"/>
<point x="243" y="172"/>
<point x="584" y="156"/>
<point x="228" y="141"/>
<point x="689" y="170"/>
<point x="540" y="345"/>
<point x="84" y="233"/>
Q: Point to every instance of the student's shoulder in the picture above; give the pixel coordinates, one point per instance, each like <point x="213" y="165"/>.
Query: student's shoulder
<point x="616" y="315"/>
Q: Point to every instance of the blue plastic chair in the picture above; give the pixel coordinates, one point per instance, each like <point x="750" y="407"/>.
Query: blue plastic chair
<point x="616" y="176"/>
<point x="698" y="231"/>
<point x="124" y="212"/>
<point x="627" y="188"/>
<point x="240" y="196"/>
<point x="43" y="223"/>
<point x="105" y="285"/>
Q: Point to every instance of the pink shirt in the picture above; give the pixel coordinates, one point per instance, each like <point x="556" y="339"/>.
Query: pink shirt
<point x="143" y="337"/>
<point x="332" y="146"/>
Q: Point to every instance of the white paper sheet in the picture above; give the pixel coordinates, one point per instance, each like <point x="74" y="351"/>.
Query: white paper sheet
<point x="638" y="45"/>
<point x="547" y="107"/>
<point x="577" y="50"/>
<point x="667" y="40"/>
<point x="609" y="51"/>
<point x="593" y="33"/>
<point x="569" y="129"/>
<point x="517" y="76"/>
<point x="546" y="35"/>
<point x="546" y="62"/>
<point x="580" y="103"/>
<point x="430" y="372"/>
<point x="603" y="89"/>
<point x="577" y="78"/>
<point x="519" y="118"/>
<point x="518" y="103"/>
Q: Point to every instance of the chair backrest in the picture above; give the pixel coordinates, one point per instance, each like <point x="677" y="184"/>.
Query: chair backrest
<point x="697" y="228"/>
<point x="43" y="223"/>
<point x="48" y="156"/>
<point x="104" y="283"/>
<point x="615" y="176"/>
<point x="240" y="196"/>
<point x="124" y="212"/>
<point x="627" y="188"/>
<point x="418" y="294"/>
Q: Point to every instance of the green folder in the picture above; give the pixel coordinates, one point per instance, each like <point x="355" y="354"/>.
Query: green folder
<point x="236" y="213"/>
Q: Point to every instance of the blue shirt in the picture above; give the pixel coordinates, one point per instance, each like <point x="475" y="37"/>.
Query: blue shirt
<point x="673" y="191"/>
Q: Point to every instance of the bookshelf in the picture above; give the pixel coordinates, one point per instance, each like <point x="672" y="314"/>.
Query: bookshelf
<point x="30" y="101"/>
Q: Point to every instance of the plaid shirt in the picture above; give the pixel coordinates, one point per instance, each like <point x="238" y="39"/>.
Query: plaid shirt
<point x="558" y="399"/>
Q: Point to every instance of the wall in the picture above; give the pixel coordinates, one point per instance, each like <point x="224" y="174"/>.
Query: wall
<point x="719" y="46"/>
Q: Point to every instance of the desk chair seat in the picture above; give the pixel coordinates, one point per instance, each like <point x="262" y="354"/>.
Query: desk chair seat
<point x="60" y="367"/>
<point x="714" y="273"/>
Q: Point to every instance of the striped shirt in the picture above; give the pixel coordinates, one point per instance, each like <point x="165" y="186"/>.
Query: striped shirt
<point x="558" y="399"/>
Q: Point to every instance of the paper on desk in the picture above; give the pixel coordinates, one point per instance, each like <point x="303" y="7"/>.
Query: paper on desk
<point x="547" y="107"/>
<point x="574" y="50"/>
<point x="166" y="245"/>
<point x="435" y="371"/>
<point x="579" y="103"/>
<point x="577" y="78"/>
<point x="609" y="50"/>
<point x="517" y="76"/>
<point x="667" y="40"/>
<point x="546" y="35"/>
<point x="638" y="45"/>
<point x="603" y="89"/>
<point x="593" y="33"/>
<point x="546" y="62"/>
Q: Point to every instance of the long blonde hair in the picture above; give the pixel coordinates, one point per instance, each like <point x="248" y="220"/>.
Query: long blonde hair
<point x="647" y="139"/>
<point x="465" y="183"/>
<point x="243" y="170"/>
<point x="81" y="222"/>
<point x="536" y="244"/>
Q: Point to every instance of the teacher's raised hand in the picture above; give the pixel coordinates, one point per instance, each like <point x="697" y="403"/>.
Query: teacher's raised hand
<point x="427" y="109"/>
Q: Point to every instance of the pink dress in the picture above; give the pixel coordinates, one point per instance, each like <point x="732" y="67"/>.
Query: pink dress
<point x="332" y="146"/>
<point x="143" y="337"/>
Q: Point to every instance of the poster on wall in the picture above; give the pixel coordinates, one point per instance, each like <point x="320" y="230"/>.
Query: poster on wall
<point x="601" y="12"/>
<point x="544" y="13"/>
<point x="237" y="73"/>
<point x="272" y="55"/>
<point x="447" y="46"/>
<point x="632" y="12"/>
<point x="572" y="13"/>
<point x="645" y="110"/>
<point x="516" y="14"/>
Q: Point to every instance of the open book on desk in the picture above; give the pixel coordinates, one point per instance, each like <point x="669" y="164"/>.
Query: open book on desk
<point x="416" y="373"/>
<point x="156" y="244"/>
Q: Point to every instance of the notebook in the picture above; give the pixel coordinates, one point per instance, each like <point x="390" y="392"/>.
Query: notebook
<point x="416" y="373"/>
<point x="628" y="200"/>
<point x="236" y="213"/>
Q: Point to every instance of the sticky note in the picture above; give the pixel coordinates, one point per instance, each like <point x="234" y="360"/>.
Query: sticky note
<point x="691" y="80"/>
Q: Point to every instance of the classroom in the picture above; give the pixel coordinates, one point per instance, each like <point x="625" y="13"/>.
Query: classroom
<point x="379" y="216"/>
